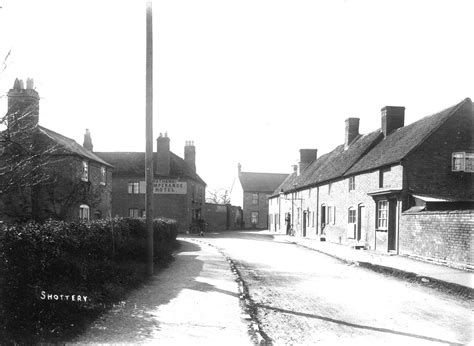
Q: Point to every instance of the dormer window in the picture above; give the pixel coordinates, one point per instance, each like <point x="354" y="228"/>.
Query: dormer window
<point x="463" y="162"/>
<point x="85" y="171"/>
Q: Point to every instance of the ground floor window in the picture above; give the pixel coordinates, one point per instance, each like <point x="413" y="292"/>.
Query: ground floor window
<point x="133" y="212"/>
<point x="84" y="212"/>
<point x="351" y="216"/>
<point x="382" y="214"/>
<point x="254" y="217"/>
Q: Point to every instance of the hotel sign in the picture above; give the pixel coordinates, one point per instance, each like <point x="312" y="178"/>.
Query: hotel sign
<point x="166" y="186"/>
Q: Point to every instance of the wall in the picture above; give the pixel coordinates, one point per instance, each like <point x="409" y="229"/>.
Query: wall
<point x="429" y="167"/>
<point x="442" y="235"/>
<point x="223" y="217"/>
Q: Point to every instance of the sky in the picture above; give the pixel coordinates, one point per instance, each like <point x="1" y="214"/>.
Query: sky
<point x="249" y="81"/>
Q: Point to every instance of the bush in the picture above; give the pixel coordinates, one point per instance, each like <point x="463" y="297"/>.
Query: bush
<point x="101" y="259"/>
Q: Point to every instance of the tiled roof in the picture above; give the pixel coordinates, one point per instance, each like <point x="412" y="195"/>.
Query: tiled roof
<point x="368" y="152"/>
<point x="399" y="143"/>
<point x="261" y="182"/>
<point x="133" y="164"/>
<point x="70" y="145"/>
<point x="286" y="184"/>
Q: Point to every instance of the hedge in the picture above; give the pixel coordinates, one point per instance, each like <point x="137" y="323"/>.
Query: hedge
<point x="42" y="266"/>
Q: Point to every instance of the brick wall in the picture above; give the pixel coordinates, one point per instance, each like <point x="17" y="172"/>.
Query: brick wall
<point x="429" y="167"/>
<point x="442" y="235"/>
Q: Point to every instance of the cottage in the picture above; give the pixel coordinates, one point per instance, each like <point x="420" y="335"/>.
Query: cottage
<point x="44" y="174"/>
<point x="361" y="193"/>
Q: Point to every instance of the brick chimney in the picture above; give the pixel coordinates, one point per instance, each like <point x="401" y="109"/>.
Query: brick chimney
<point x="23" y="106"/>
<point x="392" y="119"/>
<point x="190" y="154"/>
<point x="163" y="155"/>
<point x="88" y="141"/>
<point x="239" y="168"/>
<point x="306" y="157"/>
<point x="352" y="131"/>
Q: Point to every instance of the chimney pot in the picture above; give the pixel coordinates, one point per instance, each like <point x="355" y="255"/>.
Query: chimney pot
<point x="190" y="155"/>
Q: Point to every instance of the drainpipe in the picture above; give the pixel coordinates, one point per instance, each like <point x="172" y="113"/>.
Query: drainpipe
<point x="317" y="209"/>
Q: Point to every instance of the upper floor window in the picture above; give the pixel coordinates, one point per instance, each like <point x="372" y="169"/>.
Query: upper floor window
<point x="329" y="188"/>
<point x="463" y="162"/>
<point x="352" y="183"/>
<point x="84" y="212"/>
<point x="85" y="171"/>
<point x="254" y="198"/>
<point x="103" y="175"/>
<point x="382" y="214"/>
<point x="331" y="215"/>
<point x="134" y="187"/>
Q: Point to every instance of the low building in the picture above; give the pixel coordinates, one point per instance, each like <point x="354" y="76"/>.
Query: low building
<point x="361" y="193"/>
<point x="254" y="190"/>
<point x="44" y="174"/>
<point x="179" y="192"/>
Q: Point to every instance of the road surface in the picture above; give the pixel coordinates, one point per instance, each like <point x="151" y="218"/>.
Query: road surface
<point x="303" y="297"/>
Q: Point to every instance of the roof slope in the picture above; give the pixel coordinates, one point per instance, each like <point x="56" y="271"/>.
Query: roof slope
<point x="261" y="182"/>
<point x="287" y="184"/>
<point x="70" y="145"/>
<point x="133" y="164"/>
<point x="402" y="141"/>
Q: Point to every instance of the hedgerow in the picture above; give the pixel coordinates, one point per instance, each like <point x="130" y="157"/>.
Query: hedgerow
<point x="102" y="260"/>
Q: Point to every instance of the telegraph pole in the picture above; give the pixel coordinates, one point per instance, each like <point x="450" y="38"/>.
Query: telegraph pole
<point x="149" y="138"/>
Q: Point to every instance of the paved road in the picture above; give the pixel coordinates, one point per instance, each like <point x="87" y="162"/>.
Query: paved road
<point x="195" y="301"/>
<point x="304" y="297"/>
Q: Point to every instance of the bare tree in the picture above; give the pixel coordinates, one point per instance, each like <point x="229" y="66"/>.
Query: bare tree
<point x="218" y="196"/>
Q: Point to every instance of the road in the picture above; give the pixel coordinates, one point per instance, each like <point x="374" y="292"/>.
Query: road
<point x="303" y="297"/>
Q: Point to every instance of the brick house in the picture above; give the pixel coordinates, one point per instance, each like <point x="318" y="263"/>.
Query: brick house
<point x="362" y="193"/>
<point x="45" y="174"/>
<point x="179" y="192"/>
<point x="254" y="190"/>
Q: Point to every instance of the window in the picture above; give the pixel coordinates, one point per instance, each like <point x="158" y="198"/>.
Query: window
<point x="463" y="162"/>
<point x="382" y="214"/>
<point x="351" y="215"/>
<point x="84" y="212"/>
<point x="103" y="175"/>
<point x="134" y="187"/>
<point x="133" y="212"/>
<point x="329" y="188"/>
<point x="352" y="183"/>
<point x="254" y="217"/>
<point x="254" y="198"/>
<point x="143" y="213"/>
<point x="85" y="171"/>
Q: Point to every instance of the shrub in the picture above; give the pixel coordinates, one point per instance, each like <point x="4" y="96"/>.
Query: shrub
<point x="102" y="259"/>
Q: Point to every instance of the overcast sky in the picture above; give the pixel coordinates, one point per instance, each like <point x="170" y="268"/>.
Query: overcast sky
<point x="249" y="81"/>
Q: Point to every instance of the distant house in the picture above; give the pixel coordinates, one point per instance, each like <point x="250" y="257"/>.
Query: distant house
<point x="179" y="192"/>
<point x="44" y="174"/>
<point x="254" y="189"/>
<point x="381" y="190"/>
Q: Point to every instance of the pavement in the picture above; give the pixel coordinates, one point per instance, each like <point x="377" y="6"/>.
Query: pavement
<point x="195" y="301"/>
<point x="450" y="277"/>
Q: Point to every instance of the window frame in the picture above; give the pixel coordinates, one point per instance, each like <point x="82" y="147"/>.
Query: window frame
<point x="85" y="171"/>
<point x="382" y="214"/>
<point x="134" y="213"/>
<point x="133" y="187"/>
<point x="352" y="183"/>
<point x="254" y="216"/>
<point x="103" y="175"/>
<point x="254" y="198"/>
<point x="84" y="212"/>
<point x="461" y="159"/>
<point x="352" y="215"/>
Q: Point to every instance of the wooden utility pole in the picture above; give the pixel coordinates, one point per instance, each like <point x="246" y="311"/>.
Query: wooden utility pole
<point x="149" y="138"/>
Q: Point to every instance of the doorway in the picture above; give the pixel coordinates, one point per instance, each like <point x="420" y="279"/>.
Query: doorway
<point x="323" y="218"/>
<point x="361" y="224"/>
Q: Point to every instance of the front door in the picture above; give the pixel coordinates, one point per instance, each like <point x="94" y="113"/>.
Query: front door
<point x="323" y="218"/>
<point x="304" y="224"/>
